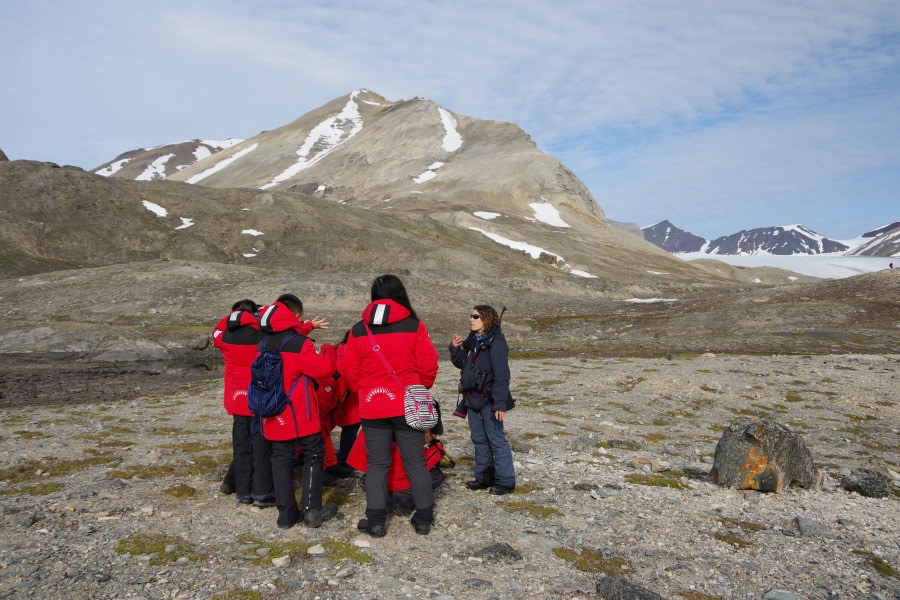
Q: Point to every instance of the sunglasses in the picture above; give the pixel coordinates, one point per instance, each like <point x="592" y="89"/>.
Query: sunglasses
<point x="476" y="317"/>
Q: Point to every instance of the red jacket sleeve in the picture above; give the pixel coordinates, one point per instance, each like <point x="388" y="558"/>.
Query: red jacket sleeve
<point x="350" y="363"/>
<point x="426" y="357"/>
<point x="308" y="362"/>
<point x="218" y="332"/>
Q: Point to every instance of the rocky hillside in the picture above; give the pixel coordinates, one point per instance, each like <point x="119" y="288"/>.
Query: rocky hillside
<point x="161" y="162"/>
<point x="884" y="241"/>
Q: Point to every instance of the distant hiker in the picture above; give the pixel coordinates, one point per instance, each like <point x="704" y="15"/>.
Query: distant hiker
<point x="483" y="358"/>
<point x="250" y="473"/>
<point x="298" y="427"/>
<point x="891" y="265"/>
<point x="386" y="351"/>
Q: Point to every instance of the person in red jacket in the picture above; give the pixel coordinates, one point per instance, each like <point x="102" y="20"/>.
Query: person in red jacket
<point x="345" y="415"/>
<point x="250" y="473"/>
<point x="400" y="500"/>
<point x="298" y="427"/>
<point x="389" y="326"/>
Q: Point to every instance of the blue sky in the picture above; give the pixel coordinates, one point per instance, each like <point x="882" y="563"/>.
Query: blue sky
<point x="716" y="115"/>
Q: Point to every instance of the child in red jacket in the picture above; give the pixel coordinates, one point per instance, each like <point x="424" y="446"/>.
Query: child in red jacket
<point x="400" y="500"/>
<point x="298" y="427"/>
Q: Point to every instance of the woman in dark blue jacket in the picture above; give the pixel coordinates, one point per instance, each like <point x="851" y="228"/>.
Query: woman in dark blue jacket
<point x="483" y="358"/>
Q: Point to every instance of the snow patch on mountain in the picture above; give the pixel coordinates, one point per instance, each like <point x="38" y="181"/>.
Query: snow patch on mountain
<point x="156" y="209"/>
<point x="547" y="213"/>
<point x="222" y="164"/>
<point x="156" y="169"/>
<point x="326" y="137"/>
<point x="452" y="139"/>
<point x="116" y="166"/>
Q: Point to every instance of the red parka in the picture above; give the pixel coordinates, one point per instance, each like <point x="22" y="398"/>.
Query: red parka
<point x="298" y="358"/>
<point x="396" y="477"/>
<point x="346" y="411"/>
<point x="403" y="340"/>
<point x="236" y="336"/>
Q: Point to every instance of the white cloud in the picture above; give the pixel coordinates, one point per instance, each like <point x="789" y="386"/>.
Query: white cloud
<point x="743" y="90"/>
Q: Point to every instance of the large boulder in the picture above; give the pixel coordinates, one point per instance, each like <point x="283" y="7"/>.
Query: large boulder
<point x="3" y="156"/>
<point x="867" y="482"/>
<point x="763" y="455"/>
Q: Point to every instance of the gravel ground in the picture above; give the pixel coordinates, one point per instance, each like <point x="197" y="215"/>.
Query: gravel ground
<point x="119" y="498"/>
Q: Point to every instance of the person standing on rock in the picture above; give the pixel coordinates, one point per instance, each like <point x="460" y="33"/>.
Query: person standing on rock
<point x="298" y="427"/>
<point x="483" y="359"/>
<point x="250" y="472"/>
<point x="391" y="329"/>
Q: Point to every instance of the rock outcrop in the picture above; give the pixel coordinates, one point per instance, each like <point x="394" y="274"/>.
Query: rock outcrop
<point x="763" y="455"/>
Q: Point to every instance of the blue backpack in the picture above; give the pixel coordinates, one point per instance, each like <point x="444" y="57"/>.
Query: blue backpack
<point x="266" y="396"/>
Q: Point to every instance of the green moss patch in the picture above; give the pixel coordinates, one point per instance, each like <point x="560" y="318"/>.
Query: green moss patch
<point x="732" y="540"/>
<point x="629" y="383"/>
<point x="793" y="398"/>
<point x="30" y="470"/>
<point x="182" y="492"/>
<point x="670" y="480"/>
<point x="655" y="437"/>
<point x="536" y="511"/>
<point x="162" y="549"/>
<point x="29" y="435"/>
<point x="201" y="465"/>
<point x="620" y="444"/>
<point x="589" y="561"/>
<point x="238" y="595"/>
<point x="41" y="489"/>
<point x="748" y="526"/>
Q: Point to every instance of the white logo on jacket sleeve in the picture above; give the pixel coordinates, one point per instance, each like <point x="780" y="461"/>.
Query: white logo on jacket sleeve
<point x="216" y="333"/>
<point x="380" y="391"/>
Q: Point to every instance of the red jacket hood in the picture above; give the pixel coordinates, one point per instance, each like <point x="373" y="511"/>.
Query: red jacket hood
<point x="277" y="317"/>
<point x="239" y="318"/>
<point x="382" y="312"/>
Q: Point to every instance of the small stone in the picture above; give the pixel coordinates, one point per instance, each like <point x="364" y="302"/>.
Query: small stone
<point x="781" y="595"/>
<point x="361" y="543"/>
<point x="317" y="549"/>
<point x="101" y="577"/>
<point x="477" y="583"/>
<point x="182" y="560"/>
<point x="281" y="561"/>
<point x="263" y="551"/>
<point x="171" y="548"/>
<point x="391" y="582"/>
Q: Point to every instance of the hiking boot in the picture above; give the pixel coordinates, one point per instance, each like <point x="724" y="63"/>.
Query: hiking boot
<point x="226" y="489"/>
<point x="314" y="517"/>
<point x="291" y="523"/>
<point x="477" y="485"/>
<point x="245" y="499"/>
<point x="376" y="530"/>
<point x="500" y="490"/>
<point x="263" y="503"/>
<point x="341" y="471"/>
<point x="422" y="528"/>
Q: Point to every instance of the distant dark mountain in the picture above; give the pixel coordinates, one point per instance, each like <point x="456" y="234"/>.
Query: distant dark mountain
<point x="885" y="242"/>
<point x="876" y="232"/>
<point x="787" y="240"/>
<point x="672" y="239"/>
<point x="781" y="241"/>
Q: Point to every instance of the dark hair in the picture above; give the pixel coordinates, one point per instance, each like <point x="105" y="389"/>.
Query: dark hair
<point x="389" y="287"/>
<point x="245" y="304"/>
<point x="489" y="316"/>
<point x="292" y="302"/>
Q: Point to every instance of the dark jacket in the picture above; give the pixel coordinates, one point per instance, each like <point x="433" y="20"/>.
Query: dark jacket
<point x="485" y="370"/>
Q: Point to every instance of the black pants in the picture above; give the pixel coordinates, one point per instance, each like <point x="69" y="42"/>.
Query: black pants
<point x="250" y="472"/>
<point x="410" y="442"/>
<point x="312" y="455"/>
<point x="348" y="437"/>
